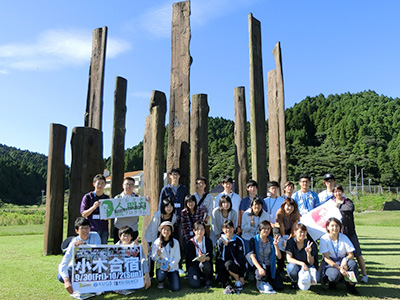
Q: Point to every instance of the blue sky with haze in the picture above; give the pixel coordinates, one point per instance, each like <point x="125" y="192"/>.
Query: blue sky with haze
<point x="328" y="47"/>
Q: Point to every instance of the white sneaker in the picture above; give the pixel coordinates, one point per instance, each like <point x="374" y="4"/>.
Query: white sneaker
<point x="269" y="287"/>
<point x="365" y="279"/>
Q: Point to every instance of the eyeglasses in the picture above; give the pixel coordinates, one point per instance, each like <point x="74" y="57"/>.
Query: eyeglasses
<point x="200" y="183"/>
<point x="129" y="184"/>
<point x="84" y="228"/>
<point x="175" y="174"/>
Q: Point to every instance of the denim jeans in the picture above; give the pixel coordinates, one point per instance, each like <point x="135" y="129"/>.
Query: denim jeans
<point x="60" y="279"/>
<point x="173" y="278"/>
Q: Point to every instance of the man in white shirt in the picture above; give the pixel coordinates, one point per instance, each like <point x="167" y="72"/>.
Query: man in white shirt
<point x="227" y="183"/>
<point x="329" y="182"/>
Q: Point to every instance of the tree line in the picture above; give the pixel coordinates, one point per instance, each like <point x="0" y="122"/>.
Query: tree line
<point x="323" y="134"/>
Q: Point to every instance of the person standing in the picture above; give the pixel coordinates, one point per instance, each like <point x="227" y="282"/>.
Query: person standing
<point x="204" y="199"/>
<point x="128" y="186"/>
<point x="227" y="183"/>
<point x="306" y="199"/>
<point x="329" y="182"/>
<point x="90" y="208"/>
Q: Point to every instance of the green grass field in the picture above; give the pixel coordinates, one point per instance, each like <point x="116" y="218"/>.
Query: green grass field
<point x="27" y="274"/>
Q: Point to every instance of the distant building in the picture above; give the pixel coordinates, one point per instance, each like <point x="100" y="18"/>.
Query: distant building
<point x="136" y="175"/>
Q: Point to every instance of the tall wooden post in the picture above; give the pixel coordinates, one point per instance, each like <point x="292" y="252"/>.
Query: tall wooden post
<point x="87" y="162"/>
<point x="53" y="232"/>
<point x="281" y="111"/>
<point x="94" y="103"/>
<point x="241" y="161"/>
<point x="153" y="148"/>
<point x="179" y="111"/>
<point x="118" y="143"/>
<point x="198" y="139"/>
<point x="274" y="167"/>
<point x="118" y="146"/>
<point x="257" y="108"/>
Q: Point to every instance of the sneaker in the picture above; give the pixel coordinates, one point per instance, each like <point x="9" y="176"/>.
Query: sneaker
<point x="82" y="296"/>
<point x="351" y="289"/>
<point x="294" y="286"/>
<point x="267" y="288"/>
<point x="207" y="285"/>
<point x="229" y="290"/>
<point x="365" y="278"/>
<point x="323" y="283"/>
<point x="160" y="285"/>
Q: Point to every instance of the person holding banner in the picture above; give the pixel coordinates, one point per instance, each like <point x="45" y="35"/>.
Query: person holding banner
<point x="305" y="198"/>
<point x="85" y="236"/>
<point x="126" y="237"/>
<point x="338" y="259"/>
<point x="90" y="208"/>
<point x="128" y="186"/>
<point x="263" y="254"/>
<point x="165" y="252"/>
<point x="301" y="254"/>
<point x="346" y="207"/>
<point x="199" y="256"/>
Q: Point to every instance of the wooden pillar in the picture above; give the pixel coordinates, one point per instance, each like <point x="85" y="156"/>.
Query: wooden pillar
<point x="87" y="162"/>
<point x="274" y="167"/>
<point x="53" y="232"/>
<point x="179" y="111"/>
<point x="199" y="139"/>
<point x="94" y="103"/>
<point x="118" y="146"/>
<point x="257" y="108"/>
<point x="118" y="143"/>
<point x="241" y="161"/>
<point x="281" y="112"/>
<point x="153" y="148"/>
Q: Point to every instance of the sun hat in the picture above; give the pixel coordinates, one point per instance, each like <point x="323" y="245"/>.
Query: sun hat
<point x="166" y="223"/>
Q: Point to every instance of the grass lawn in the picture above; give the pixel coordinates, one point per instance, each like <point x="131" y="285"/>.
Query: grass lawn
<point x="27" y="274"/>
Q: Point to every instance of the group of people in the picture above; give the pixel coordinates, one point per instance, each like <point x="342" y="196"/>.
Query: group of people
<point x="251" y="238"/>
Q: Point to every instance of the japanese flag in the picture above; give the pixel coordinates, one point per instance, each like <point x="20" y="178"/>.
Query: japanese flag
<point x="315" y="220"/>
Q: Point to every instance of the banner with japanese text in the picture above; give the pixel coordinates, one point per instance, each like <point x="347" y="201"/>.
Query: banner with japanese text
<point x="315" y="220"/>
<point x="123" y="207"/>
<point x="103" y="268"/>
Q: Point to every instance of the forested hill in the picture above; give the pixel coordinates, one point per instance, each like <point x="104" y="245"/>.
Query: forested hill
<point x="337" y="132"/>
<point x="22" y="175"/>
<point x="324" y="134"/>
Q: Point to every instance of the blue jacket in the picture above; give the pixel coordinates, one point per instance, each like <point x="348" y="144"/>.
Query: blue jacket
<point x="272" y="256"/>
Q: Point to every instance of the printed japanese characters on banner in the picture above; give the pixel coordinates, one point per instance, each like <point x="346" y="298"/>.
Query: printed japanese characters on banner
<point x="315" y="220"/>
<point x="123" y="207"/>
<point x="107" y="268"/>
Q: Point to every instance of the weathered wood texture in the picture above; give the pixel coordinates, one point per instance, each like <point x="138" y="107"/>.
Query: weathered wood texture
<point x="87" y="162"/>
<point x="153" y="148"/>
<point x="281" y="112"/>
<point x="241" y="161"/>
<point x="53" y="230"/>
<point x="257" y="108"/>
<point x="94" y="103"/>
<point x="198" y="140"/>
<point x="118" y="143"/>
<point x="274" y="167"/>
<point x="179" y="110"/>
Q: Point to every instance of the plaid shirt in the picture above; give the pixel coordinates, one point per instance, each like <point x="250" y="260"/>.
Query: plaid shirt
<point x="188" y="220"/>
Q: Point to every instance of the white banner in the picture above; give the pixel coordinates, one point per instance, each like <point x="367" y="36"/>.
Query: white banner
<point x="123" y="207"/>
<point x="315" y="220"/>
<point x="107" y="268"/>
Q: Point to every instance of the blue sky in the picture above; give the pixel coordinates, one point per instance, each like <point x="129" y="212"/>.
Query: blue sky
<point x="328" y="47"/>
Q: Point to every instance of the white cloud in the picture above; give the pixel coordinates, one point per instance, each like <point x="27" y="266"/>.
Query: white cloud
<point x="4" y="71"/>
<point x="55" y="49"/>
<point x="156" y="21"/>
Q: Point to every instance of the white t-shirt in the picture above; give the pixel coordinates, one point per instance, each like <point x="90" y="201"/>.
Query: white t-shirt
<point x="338" y="248"/>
